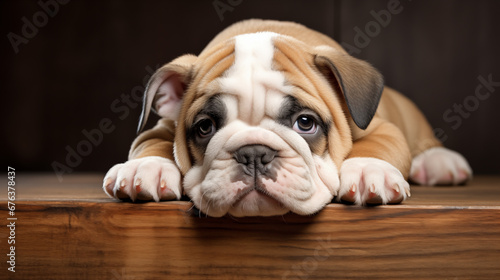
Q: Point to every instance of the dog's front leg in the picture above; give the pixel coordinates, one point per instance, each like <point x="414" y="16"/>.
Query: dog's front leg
<point x="375" y="171"/>
<point x="150" y="173"/>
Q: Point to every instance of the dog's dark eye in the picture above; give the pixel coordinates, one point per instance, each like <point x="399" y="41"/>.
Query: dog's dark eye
<point x="305" y="125"/>
<point x="206" y="128"/>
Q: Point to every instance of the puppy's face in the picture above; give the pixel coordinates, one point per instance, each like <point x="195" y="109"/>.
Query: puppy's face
<point x="260" y="131"/>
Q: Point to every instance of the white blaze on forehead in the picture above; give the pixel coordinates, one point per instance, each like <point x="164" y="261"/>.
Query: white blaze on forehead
<point x="251" y="76"/>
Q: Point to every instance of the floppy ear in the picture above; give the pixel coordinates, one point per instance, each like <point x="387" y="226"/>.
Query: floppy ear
<point x="360" y="83"/>
<point x="166" y="88"/>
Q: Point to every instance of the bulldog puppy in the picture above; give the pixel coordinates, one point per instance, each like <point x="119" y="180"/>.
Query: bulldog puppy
<point x="273" y="117"/>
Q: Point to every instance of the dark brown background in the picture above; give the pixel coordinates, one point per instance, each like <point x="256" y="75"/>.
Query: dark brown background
<point x="72" y="74"/>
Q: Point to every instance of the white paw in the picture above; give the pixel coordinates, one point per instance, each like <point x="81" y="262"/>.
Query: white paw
<point x="148" y="178"/>
<point x="440" y="166"/>
<point x="372" y="181"/>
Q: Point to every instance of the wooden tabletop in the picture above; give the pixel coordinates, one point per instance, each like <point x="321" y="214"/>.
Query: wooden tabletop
<point x="72" y="230"/>
<point x="482" y="191"/>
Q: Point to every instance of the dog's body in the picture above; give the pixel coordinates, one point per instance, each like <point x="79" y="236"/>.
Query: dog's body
<point x="273" y="117"/>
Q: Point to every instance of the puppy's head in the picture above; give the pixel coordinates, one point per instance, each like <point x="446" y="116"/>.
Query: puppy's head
<point x="262" y="122"/>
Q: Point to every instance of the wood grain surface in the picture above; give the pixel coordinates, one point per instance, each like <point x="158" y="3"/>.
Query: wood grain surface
<point x="71" y="230"/>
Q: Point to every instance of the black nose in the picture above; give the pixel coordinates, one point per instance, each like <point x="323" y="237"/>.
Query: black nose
<point x="254" y="158"/>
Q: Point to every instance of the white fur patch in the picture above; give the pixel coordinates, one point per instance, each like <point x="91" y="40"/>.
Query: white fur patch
<point x="251" y="76"/>
<point x="371" y="180"/>
<point x="440" y="166"/>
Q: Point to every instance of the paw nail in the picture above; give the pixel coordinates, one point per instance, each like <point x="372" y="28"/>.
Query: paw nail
<point x="463" y="175"/>
<point x="353" y="188"/>
<point x="107" y="182"/>
<point x="138" y="182"/>
<point x="163" y="184"/>
<point x="372" y="188"/>
<point x="408" y="193"/>
<point x="123" y="183"/>
<point x="395" y="187"/>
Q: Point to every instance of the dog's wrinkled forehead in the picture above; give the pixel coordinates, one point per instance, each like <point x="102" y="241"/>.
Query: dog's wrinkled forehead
<point x="252" y="80"/>
<point x="254" y="73"/>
